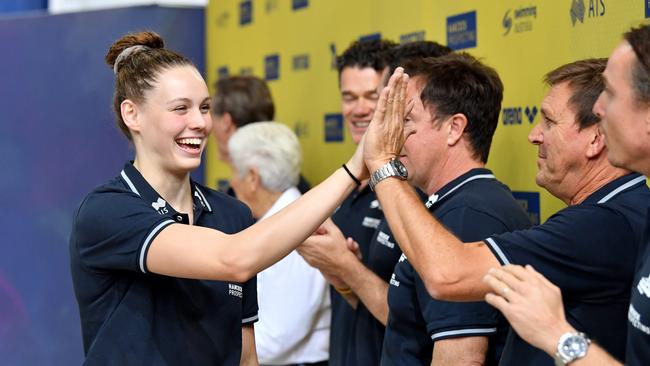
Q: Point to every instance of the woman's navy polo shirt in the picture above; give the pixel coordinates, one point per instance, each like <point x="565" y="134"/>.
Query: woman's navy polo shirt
<point x="472" y="207"/>
<point x="589" y="251"/>
<point x="130" y="316"/>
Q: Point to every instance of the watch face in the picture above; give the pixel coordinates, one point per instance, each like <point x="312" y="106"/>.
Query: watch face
<point x="401" y="169"/>
<point x="574" y="347"/>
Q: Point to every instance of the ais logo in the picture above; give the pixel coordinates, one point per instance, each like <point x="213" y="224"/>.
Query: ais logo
<point x="593" y="9"/>
<point x="514" y="115"/>
<point x="647" y="8"/>
<point x="334" y="127"/>
<point x="522" y="21"/>
<point x="246" y="12"/>
<point x="272" y="67"/>
<point x="461" y="31"/>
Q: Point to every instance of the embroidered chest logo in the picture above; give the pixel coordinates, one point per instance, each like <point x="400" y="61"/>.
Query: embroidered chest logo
<point x="160" y="206"/>
<point x="644" y="286"/>
<point x="394" y="281"/>
<point x="235" y="290"/>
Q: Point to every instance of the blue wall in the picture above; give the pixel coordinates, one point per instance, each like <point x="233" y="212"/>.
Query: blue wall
<point x="58" y="141"/>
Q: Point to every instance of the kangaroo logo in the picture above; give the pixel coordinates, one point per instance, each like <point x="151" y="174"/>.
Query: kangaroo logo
<point x="159" y="206"/>
<point x="577" y="11"/>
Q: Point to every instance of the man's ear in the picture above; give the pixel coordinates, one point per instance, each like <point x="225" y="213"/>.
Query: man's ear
<point x="596" y="141"/>
<point x="457" y="125"/>
<point x="253" y="179"/>
<point x="129" y="111"/>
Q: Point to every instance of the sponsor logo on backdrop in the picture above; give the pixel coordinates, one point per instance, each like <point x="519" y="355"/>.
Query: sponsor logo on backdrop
<point x="582" y="10"/>
<point x="222" y="72"/>
<point x="301" y="128"/>
<point x="414" y="37"/>
<point x="333" y="127"/>
<point x="521" y="19"/>
<point x="647" y="8"/>
<point x="299" y="4"/>
<point x="529" y="201"/>
<point x="223" y="19"/>
<point x="246" y="12"/>
<point x="333" y="56"/>
<point x="272" y="67"/>
<point x="516" y="115"/>
<point x="370" y="37"/>
<point x="246" y="71"/>
<point x="270" y="6"/>
<point x="300" y="62"/>
<point x="461" y="31"/>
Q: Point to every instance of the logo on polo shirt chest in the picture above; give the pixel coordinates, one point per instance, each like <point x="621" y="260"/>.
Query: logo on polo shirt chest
<point x="384" y="239"/>
<point x="394" y="281"/>
<point x="235" y="290"/>
<point x="644" y="286"/>
<point x="160" y="206"/>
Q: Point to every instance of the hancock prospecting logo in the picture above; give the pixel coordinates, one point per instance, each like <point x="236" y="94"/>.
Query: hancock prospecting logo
<point x="521" y="18"/>
<point x="595" y="9"/>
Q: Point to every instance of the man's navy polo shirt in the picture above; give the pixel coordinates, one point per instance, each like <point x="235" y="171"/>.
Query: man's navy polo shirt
<point x="471" y="206"/>
<point x="638" y="315"/>
<point x="358" y="217"/>
<point x="130" y="316"/>
<point x="589" y="251"/>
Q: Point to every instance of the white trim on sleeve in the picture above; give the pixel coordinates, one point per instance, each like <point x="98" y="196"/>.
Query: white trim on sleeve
<point x="481" y="331"/>
<point x="147" y="241"/>
<point x="495" y="247"/>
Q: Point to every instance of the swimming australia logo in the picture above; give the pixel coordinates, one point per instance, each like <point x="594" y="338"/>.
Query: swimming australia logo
<point x="644" y="286"/>
<point x="235" y="290"/>
<point x="522" y="21"/>
<point x="514" y="115"/>
<point x="384" y="239"/>
<point x="595" y="9"/>
<point x="159" y="206"/>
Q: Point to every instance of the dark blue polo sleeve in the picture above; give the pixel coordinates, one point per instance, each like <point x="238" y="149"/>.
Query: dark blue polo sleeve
<point x="573" y="249"/>
<point x="113" y="230"/>
<point x="461" y="319"/>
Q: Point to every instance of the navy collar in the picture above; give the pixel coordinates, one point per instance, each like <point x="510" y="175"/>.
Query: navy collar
<point x="618" y="185"/>
<point x="138" y="185"/>
<point x="456" y="184"/>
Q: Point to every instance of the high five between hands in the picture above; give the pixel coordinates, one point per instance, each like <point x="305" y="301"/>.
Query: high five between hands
<point x="384" y="137"/>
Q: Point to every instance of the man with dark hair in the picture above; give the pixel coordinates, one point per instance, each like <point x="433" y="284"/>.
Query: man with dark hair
<point x="536" y="311"/>
<point x="586" y="248"/>
<point x="355" y="336"/>
<point x="240" y="100"/>
<point x="450" y="128"/>
<point x="414" y="51"/>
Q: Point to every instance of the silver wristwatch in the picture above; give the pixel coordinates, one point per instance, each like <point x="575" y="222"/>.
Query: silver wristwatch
<point x="571" y="347"/>
<point x="393" y="168"/>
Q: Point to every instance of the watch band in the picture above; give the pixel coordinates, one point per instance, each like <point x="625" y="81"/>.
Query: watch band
<point x="393" y="168"/>
<point x="570" y="347"/>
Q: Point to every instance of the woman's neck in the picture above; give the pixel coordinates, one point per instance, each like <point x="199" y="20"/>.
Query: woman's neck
<point x="173" y="188"/>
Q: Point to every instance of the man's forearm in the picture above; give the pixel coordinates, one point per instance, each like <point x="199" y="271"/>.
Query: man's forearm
<point x="371" y="290"/>
<point x="450" y="269"/>
<point x="465" y="351"/>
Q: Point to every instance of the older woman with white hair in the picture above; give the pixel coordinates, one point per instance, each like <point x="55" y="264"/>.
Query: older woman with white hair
<point x="293" y="297"/>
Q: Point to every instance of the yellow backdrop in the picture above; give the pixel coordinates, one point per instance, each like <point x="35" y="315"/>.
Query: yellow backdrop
<point x="291" y="43"/>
